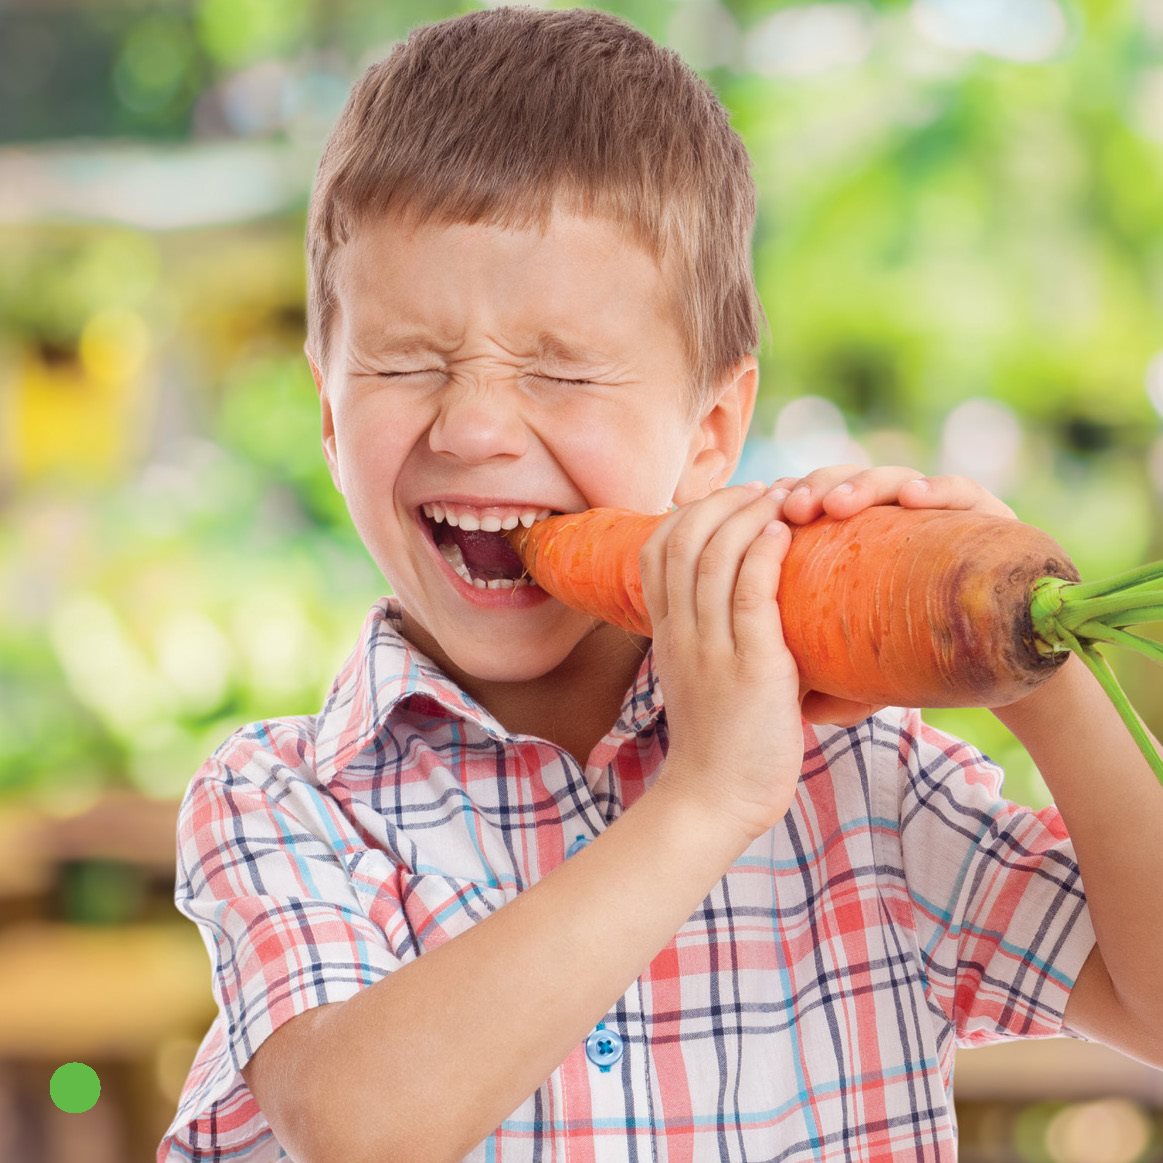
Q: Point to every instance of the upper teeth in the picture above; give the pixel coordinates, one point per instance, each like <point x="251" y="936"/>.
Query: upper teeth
<point x="490" y="522"/>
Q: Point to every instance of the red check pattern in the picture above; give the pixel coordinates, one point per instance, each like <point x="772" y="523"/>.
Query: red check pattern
<point x="809" y="1010"/>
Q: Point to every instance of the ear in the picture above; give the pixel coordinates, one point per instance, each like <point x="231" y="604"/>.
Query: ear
<point x="717" y="439"/>
<point x="329" y="449"/>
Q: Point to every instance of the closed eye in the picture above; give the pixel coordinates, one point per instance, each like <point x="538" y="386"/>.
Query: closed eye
<point x="430" y="371"/>
<point x="566" y="382"/>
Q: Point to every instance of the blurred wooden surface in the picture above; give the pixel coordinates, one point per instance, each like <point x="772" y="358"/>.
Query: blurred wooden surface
<point x="117" y="826"/>
<point x="1066" y="1068"/>
<point x="96" y="966"/>
<point x="71" y="992"/>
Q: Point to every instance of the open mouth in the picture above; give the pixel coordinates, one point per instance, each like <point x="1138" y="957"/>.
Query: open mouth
<point x="482" y="558"/>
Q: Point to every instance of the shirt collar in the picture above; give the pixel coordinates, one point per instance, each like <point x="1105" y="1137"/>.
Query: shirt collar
<point x="385" y="669"/>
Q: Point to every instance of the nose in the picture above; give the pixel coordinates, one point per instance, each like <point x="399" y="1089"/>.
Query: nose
<point x="480" y="418"/>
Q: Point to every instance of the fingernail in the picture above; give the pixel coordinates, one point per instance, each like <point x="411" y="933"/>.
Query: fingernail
<point x="920" y="484"/>
<point x="845" y="488"/>
<point x="777" y="494"/>
<point x="772" y="528"/>
<point x="802" y="491"/>
<point x="757" y="486"/>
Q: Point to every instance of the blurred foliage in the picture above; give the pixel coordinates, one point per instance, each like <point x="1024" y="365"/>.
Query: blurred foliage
<point x="960" y="251"/>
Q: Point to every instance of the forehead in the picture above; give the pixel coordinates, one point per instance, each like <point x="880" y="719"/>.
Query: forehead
<point x="580" y="276"/>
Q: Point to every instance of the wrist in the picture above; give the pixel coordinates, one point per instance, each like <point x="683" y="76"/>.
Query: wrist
<point x="1046" y="707"/>
<point x="688" y="792"/>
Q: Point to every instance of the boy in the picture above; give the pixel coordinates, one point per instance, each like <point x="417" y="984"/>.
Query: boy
<point x="529" y="887"/>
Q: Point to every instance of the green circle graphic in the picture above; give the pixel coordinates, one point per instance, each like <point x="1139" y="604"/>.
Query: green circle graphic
<point x="75" y="1087"/>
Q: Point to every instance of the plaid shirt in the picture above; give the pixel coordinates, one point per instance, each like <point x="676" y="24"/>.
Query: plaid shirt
<point x="808" y="1010"/>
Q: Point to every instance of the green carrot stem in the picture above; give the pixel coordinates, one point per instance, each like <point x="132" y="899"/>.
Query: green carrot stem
<point x="1102" y="671"/>
<point x="1127" y="609"/>
<point x="1140" y="575"/>
<point x="1131" y="616"/>
<point x="1115" y="636"/>
<point x="1074" y="616"/>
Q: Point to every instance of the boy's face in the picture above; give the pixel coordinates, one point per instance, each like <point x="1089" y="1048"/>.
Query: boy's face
<point x="495" y="371"/>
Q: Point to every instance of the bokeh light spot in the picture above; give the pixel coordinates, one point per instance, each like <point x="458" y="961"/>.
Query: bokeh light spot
<point x="808" y="39"/>
<point x="1155" y="383"/>
<point x="1014" y="30"/>
<point x="155" y="65"/>
<point x="1111" y="1130"/>
<point x="982" y="439"/>
<point x="114" y="344"/>
<point x="811" y="431"/>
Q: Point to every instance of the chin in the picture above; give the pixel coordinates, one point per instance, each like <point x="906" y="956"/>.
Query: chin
<point x="511" y="658"/>
<point x="492" y="666"/>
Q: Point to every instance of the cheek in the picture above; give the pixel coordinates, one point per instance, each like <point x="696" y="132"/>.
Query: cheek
<point x="372" y="443"/>
<point x="633" y="464"/>
<point x="369" y="458"/>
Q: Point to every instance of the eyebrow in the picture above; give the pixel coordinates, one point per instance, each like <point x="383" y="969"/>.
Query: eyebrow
<point x="402" y="342"/>
<point x="553" y="346"/>
<point x="548" y="345"/>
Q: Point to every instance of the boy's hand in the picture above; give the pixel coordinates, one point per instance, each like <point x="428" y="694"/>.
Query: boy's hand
<point x="709" y="575"/>
<point x="846" y="489"/>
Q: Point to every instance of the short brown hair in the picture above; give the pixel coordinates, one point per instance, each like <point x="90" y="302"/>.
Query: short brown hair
<point x="495" y="115"/>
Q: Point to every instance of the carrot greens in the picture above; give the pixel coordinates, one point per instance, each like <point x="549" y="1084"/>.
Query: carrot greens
<point x="1079" y="616"/>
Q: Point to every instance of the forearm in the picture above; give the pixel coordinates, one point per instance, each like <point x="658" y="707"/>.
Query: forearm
<point x="469" y="1030"/>
<point x="1112" y="805"/>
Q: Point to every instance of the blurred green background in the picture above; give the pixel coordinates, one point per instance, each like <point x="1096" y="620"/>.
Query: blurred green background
<point x="960" y="251"/>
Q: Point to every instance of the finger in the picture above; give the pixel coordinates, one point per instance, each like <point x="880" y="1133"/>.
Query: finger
<point x="719" y="569"/>
<point x="758" y="631"/>
<point x="652" y="570"/>
<point x="779" y="491"/>
<point x="804" y="501"/>
<point x="669" y="557"/>
<point x="952" y="492"/>
<point x="872" y="486"/>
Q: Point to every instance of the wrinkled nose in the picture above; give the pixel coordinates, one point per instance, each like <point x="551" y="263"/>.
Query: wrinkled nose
<point x="479" y="420"/>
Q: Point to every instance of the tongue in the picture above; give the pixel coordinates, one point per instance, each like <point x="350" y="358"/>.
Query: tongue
<point x="487" y="555"/>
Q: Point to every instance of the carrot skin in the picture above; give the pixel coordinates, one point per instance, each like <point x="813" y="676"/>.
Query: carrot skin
<point x="589" y="561"/>
<point x="918" y="607"/>
<point x="892" y="606"/>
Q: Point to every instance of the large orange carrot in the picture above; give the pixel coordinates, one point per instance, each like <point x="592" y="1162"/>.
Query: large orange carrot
<point x="920" y="607"/>
<point x="893" y="606"/>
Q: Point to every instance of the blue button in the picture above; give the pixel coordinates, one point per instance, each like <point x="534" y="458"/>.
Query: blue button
<point x="603" y="1048"/>
<point x="579" y="843"/>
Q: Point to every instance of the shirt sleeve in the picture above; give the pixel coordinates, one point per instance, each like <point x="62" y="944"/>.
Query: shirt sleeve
<point x="997" y="898"/>
<point x="267" y="879"/>
<point x="267" y="869"/>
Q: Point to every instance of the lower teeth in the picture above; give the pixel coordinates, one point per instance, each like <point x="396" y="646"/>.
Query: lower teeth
<point x="452" y="554"/>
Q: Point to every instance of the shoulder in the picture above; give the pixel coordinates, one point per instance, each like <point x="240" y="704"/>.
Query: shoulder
<point x="898" y="764"/>
<point x="928" y="761"/>
<point x="259" y="764"/>
<point x="286" y="743"/>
